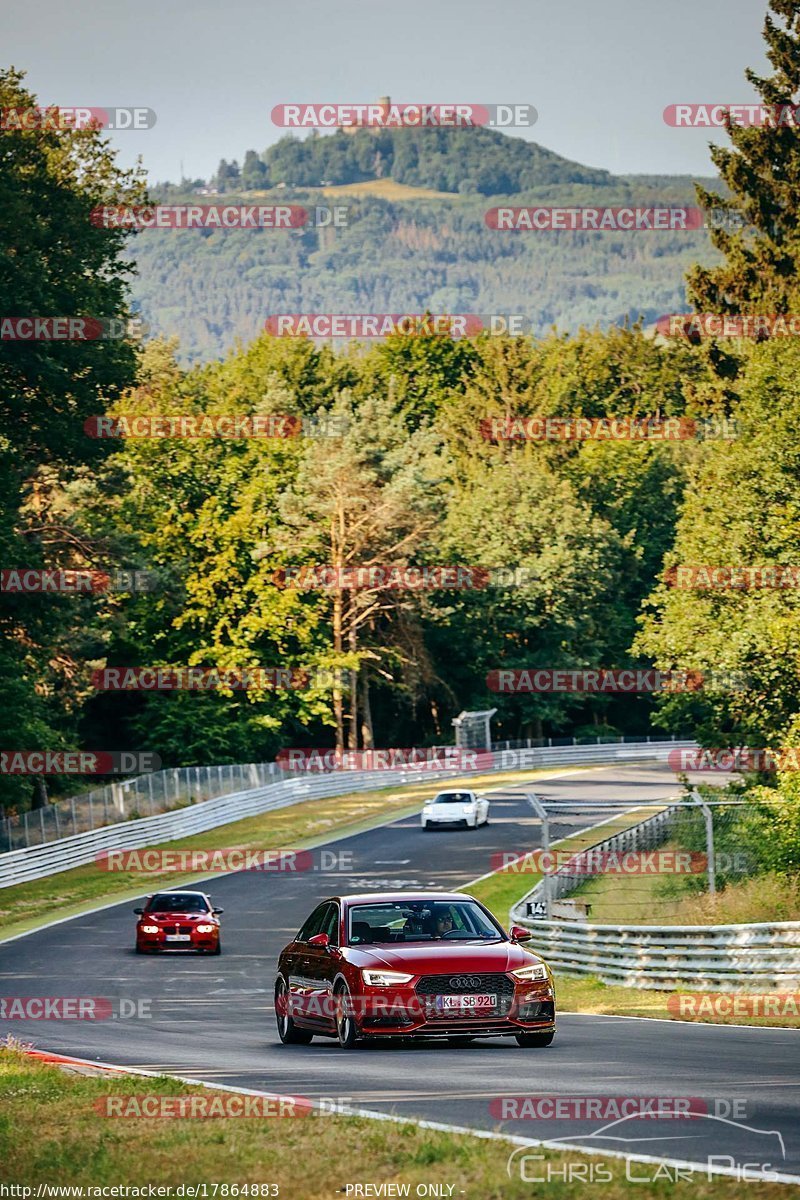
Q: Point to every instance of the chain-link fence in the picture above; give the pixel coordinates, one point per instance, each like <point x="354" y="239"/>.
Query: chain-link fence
<point x="163" y="791"/>
<point x="128" y="799"/>
<point x="703" y="849"/>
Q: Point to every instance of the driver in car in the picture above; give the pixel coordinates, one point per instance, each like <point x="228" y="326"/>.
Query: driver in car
<point x="444" y="923"/>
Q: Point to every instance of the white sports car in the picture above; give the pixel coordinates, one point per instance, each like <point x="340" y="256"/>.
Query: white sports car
<point x="456" y="808"/>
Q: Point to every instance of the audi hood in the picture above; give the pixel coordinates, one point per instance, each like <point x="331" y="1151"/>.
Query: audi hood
<point x="426" y="958"/>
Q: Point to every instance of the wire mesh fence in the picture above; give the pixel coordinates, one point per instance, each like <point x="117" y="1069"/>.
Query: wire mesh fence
<point x="129" y="799"/>
<point x="164" y="791"/>
<point x="675" y="873"/>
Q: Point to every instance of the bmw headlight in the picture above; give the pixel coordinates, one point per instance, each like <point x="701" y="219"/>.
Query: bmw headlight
<point x="149" y="929"/>
<point x="205" y="928"/>
<point x="384" y="978"/>
<point x="537" y="971"/>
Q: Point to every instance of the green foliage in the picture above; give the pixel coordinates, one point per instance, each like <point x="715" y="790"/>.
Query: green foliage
<point x="53" y="262"/>
<point x="413" y="255"/>
<point x="446" y="160"/>
<point x="762" y="170"/>
<point x="741" y="509"/>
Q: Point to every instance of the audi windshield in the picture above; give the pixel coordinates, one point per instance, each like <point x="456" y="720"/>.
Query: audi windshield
<point x="421" y="921"/>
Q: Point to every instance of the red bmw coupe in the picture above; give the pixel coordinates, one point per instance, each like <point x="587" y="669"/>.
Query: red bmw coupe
<point x="178" y="921"/>
<point x="421" y="964"/>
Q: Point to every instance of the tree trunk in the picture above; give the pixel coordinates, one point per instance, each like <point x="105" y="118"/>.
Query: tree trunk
<point x="367" y="732"/>
<point x="338" y="707"/>
<point x="39" y="798"/>
<point x="352" y="736"/>
<point x="437" y="725"/>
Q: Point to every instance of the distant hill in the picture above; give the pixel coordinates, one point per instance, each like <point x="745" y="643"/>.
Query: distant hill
<point x="407" y="249"/>
<point x="445" y="160"/>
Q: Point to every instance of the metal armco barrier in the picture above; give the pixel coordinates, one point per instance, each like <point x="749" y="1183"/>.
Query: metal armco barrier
<point x="706" y="957"/>
<point x="35" y="862"/>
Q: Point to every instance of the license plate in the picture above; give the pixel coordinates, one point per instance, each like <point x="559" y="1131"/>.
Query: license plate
<point x="178" y="937"/>
<point x="476" y="1000"/>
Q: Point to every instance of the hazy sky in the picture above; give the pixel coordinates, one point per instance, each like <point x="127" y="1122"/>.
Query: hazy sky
<point x="599" y="72"/>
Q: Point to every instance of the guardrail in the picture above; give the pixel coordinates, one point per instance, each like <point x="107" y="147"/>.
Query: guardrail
<point x="36" y="862"/>
<point x="662" y="957"/>
<point x="707" y="957"/>
<point x="163" y="791"/>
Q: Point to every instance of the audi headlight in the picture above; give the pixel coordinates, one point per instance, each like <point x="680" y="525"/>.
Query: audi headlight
<point x="384" y="978"/>
<point x="537" y="971"/>
<point x="205" y="928"/>
<point x="149" y="929"/>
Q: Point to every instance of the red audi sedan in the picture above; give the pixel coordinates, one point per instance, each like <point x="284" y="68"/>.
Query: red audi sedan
<point x="422" y="964"/>
<point x="178" y="921"/>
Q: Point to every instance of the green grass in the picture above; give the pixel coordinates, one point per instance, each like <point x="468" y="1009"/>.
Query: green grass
<point x="309" y="823"/>
<point x="654" y="899"/>
<point x="52" y="1133"/>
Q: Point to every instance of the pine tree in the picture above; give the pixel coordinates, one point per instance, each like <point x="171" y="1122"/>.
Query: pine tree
<point x="762" y="171"/>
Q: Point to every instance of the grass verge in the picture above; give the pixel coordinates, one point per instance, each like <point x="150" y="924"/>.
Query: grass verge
<point x="24" y="906"/>
<point x="52" y="1133"/>
<point x="652" y="900"/>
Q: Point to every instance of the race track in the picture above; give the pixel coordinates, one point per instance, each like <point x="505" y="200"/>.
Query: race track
<point x="212" y="1018"/>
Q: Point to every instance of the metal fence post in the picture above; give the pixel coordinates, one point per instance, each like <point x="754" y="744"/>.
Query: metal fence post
<point x="711" y="866"/>
<point x="541" y="813"/>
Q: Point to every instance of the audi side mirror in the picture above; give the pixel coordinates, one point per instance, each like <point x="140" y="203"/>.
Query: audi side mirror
<point x="518" y="934"/>
<point x="320" y="939"/>
<point x="138" y="911"/>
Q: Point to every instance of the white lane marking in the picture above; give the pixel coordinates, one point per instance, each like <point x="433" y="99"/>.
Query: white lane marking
<point x="391" y="862"/>
<point x="565" y="1012"/>
<point x="442" y="1127"/>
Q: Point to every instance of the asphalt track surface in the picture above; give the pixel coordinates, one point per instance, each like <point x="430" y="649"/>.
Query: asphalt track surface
<point x="212" y="1018"/>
